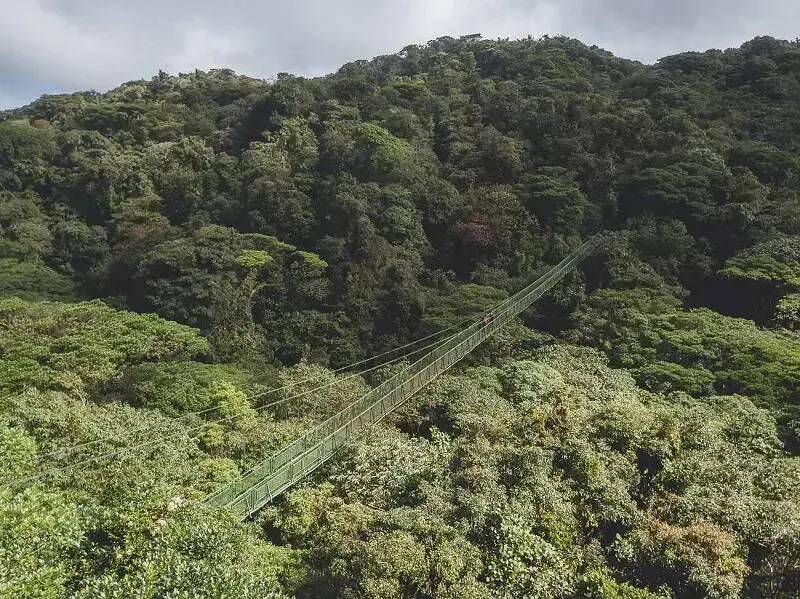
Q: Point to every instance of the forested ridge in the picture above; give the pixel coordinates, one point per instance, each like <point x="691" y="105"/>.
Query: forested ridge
<point x="173" y="249"/>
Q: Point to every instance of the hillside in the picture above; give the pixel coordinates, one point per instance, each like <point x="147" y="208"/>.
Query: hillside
<point x="173" y="250"/>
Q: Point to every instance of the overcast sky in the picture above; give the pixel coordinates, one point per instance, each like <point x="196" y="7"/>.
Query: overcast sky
<point x="51" y="46"/>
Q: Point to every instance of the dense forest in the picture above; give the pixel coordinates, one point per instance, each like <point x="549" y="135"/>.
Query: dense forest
<point x="175" y="249"/>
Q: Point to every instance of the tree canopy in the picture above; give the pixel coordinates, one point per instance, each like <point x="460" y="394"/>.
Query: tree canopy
<point x="188" y="263"/>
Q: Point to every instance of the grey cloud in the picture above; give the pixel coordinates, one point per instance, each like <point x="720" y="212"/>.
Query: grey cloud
<point x="78" y="44"/>
<point x="649" y="29"/>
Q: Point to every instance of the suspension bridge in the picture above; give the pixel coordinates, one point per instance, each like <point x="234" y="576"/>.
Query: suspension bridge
<point x="272" y="477"/>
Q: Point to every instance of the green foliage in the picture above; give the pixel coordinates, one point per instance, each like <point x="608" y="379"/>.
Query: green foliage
<point x="776" y="261"/>
<point x="320" y="393"/>
<point x="692" y="351"/>
<point x="701" y="560"/>
<point x="788" y="312"/>
<point x="668" y="376"/>
<point x="23" y="231"/>
<point x="613" y="321"/>
<point x="188" y="551"/>
<point x="34" y="281"/>
<point x="558" y="202"/>
<point x="38" y="531"/>
<point x="466" y="302"/>
<point x="253" y="259"/>
<point x="599" y="584"/>
<point x="743" y="358"/>
<point x="177" y="387"/>
<point x="17" y="452"/>
<point x="79" y="249"/>
<point x="78" y="346"/>
<point x="523" y="564"/>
